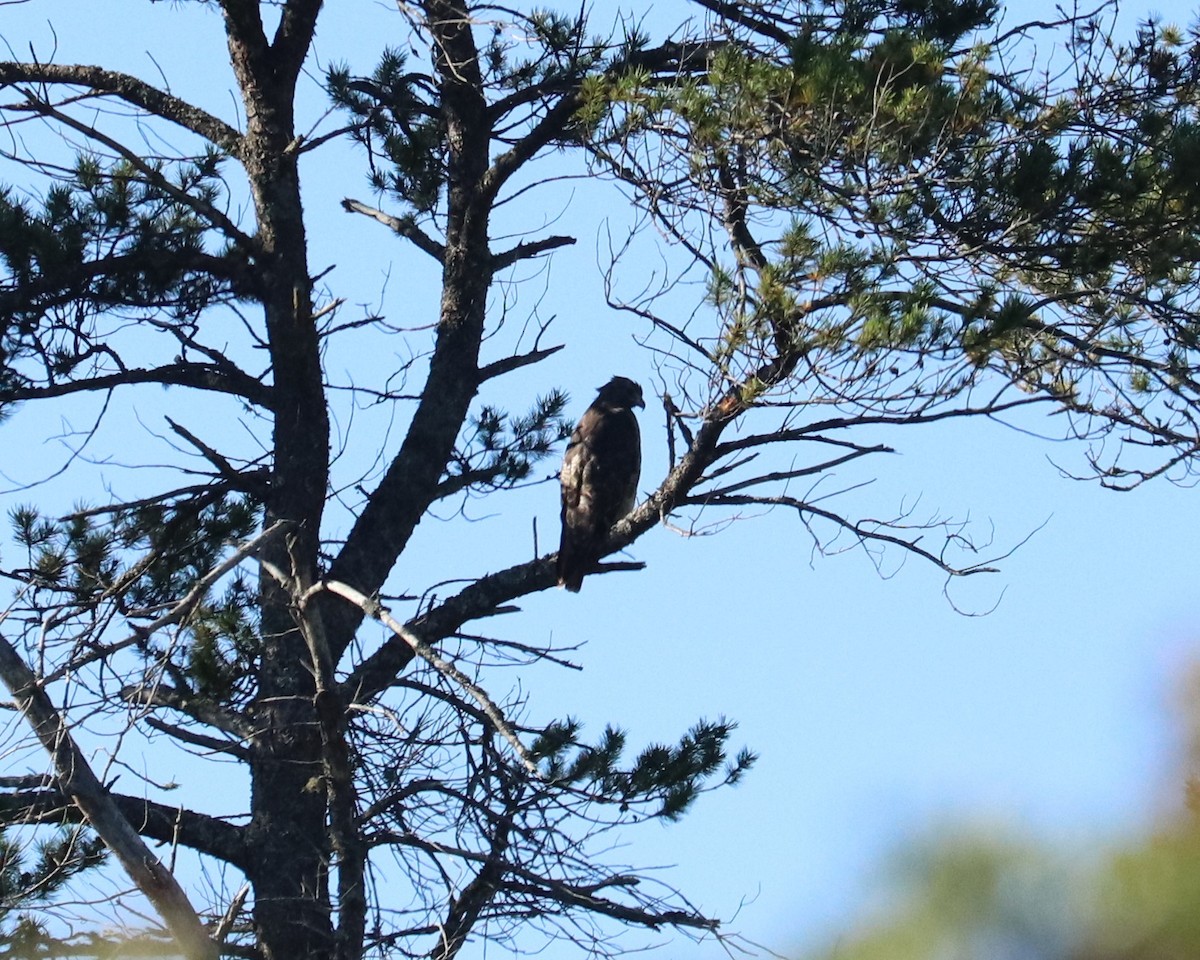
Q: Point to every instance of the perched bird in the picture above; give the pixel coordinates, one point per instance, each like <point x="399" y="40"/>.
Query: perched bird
<point x="599" y="477"/>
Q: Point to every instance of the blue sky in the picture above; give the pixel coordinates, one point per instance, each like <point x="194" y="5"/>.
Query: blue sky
<point x="876" y="708"/>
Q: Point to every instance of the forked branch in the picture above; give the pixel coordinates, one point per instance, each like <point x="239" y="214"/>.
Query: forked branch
<point x="377" y="611"/>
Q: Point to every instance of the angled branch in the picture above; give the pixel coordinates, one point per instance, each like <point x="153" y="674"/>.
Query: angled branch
<point x="777" y="476"/>
<point x="133" y="91"/>
<point x="548" y="129"/>
<point x="508" y="364"/>
<point x="78" y="781"/>
<point x="179" y="493"/>
<point x="377" y="611"/>
<point x="458" y="482"/>
<point x="741" y="14"/>
<point x="190" y="705"/>
<point x="585" y="897"/>
<point x="525" y="251"/>
<point x="402" y="226"/>
<point x="212" y="744"/>
<point x="227" y="470"/>
<point x="234" y="271"/>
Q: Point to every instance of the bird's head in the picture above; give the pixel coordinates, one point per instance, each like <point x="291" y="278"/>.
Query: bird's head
<point x="622" y="392"/>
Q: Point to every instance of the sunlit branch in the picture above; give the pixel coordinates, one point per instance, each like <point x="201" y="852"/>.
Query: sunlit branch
<point x="377" y="611"/>
<point x="80" y="783"/>
<point x="402" y="226"/>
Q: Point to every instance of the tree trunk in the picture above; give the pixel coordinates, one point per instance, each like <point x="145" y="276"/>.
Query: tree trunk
<point x="289" y="859"/>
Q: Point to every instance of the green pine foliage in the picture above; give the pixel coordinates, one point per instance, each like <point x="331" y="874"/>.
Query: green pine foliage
<point x="501" y="449"/>
<point x="111" y="242"/>
<point x="224" y="645"/>
<point x="899" y="202"/>
<point x="31" y="878"/>
<point x="397" y="123"/>
<point x="151" y="556"/>
<point x="662" y="781"/>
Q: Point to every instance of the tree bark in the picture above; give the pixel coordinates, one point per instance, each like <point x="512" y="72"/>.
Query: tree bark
<point x="411" y="482"/>
<point x="289" y="860"/>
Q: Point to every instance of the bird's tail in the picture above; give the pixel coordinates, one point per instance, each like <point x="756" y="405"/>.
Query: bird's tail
<point x="571" y="566"/>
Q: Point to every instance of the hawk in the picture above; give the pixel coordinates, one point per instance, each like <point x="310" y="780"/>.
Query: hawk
<point x="599" y="477"/>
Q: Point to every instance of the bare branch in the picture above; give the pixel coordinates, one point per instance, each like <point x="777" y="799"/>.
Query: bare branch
<point x="402" y="226"/>
<point x="227" y="470"/>
<point x="190" y="705"/>
<point x="377" y="611"/>
<point x="525" y="251"/>
<point x="48" y="803"/>
<point x="508" y="364"/>
<point x="132" y="91"/>
<point x="79" y="782"/>
<point x="198" y="375"/>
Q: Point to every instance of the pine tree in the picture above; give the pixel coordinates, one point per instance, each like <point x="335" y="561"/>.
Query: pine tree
<point x="894" y="226"/>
